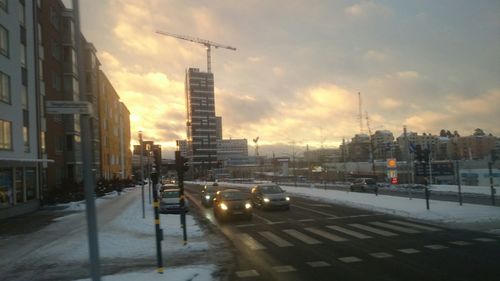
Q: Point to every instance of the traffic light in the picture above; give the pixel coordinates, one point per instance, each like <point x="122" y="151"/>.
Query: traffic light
<point x="181" y="163"/>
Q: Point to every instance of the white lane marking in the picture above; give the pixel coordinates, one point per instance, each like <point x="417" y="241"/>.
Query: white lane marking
<point x="395" y="227"/>
<point x="436" y="247"/>
<point x="485" y="240"/>
<point x="356" y="216"/>
<point x="325" y="234"/>
<point x="250" y="242"/>
<point x="305" y="220"/>
<point x="301" y="236"/>
<point x="349" y="232"/>
<point x="409" y="251"/>
<point x="460" y="243"/>
<point x="245" y="225"/>
<point x="318" y="264"/>
<point x="373" y="230"/>
<point x="277" y="222"/>
<point x="284" y="268"/>
<point x="381" y="255"/>
<point x="278" y="241"/>
<point x="262" y="218"/>
<point x="350" y="259"/>
<point x="418" y="226"/>
<point x="319" y="205"/>
<point x="247" y="273"/>
<point x="315" y="211"/>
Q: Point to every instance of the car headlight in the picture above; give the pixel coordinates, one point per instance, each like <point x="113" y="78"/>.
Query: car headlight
<point x="207" y="197"/>
<point x="223" y="206"/>
<point x="266" y="200"/>
<point x="248" y="206"/>
<point x="287" y="198"/>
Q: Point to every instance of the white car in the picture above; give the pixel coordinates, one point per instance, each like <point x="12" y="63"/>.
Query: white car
<point x="170" y="202"/>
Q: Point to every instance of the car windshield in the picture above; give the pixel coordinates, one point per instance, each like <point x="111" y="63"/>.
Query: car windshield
<point x="271" y="189"/>
<point x="170" y="194"/>
<point x="233" y="196"/>
<point x="211" y="188"/>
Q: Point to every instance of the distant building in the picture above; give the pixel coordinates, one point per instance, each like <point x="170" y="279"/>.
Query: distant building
<point x="218" y="127"/>
<point x="359" y="148"/>
<point x="323" y="155"/>
<point x="232" y="149"/>
<point x="201" y="121"/>
<point x="383" y="145"/>
<point x="475" y="147"/>
<point x="182" y="147"/>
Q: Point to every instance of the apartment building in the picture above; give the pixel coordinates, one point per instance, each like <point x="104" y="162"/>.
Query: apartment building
<point x="20" y="153"/>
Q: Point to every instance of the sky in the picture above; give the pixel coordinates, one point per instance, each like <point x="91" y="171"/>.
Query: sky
<point x="300" y="64"/>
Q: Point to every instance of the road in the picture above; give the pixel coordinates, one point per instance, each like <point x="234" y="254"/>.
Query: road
<point x="323" y="241"/>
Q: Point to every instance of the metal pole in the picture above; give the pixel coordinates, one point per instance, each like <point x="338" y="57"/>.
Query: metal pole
<point x="158" y="230"/>
<point x="88" y="178"/>
<point x="458" y="182"/>
<point x="179" y="161"/>
<point x="142" y="175"/>
<point x="149" y="180"/>
<point x="490" y="168"/>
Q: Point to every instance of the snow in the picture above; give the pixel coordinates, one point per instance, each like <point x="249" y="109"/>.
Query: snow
<point x="194" y="273"/>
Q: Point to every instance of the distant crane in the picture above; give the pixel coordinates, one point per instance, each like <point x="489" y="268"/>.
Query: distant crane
<point x="208" y="44"/>
<point x="256" y="140"/>
<point x="360" y="116"/>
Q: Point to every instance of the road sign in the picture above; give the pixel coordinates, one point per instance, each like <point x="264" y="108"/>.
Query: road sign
<point x="391" y="163"/>
<point x="68" y="107"/>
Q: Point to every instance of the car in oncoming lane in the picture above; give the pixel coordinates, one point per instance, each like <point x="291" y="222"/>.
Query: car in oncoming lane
<point x="268" y="196"/>
<point x="170" y="202"/>
<point x="232" y="203"/>
<point x="207" y="194"/>
<point x="364" y="184"/>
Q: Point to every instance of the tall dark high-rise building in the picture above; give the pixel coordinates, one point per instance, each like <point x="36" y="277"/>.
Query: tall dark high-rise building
<point x="201" y="121"/>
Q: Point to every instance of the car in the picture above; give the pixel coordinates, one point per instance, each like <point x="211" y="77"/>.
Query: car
<point x="268" y="196"/>
<point x="167" y="186"/>
<point x="170" y="202"/>
<point x="232" y="203"/>
<point x="207" y="194"/>
<point x="364" y="184"/>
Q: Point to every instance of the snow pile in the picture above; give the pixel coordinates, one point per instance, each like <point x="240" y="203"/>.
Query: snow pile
<point x="187" y="273"/>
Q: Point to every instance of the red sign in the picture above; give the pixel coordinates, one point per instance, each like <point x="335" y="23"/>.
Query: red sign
<point x="394" y="180"/>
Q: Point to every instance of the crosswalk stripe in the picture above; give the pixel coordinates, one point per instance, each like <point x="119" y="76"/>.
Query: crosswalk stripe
<point x="301" y="236"/>
<point x="485" y="239"/>
<point x="381" y="255"/>
<point x="318" y="264"/>
<point x="395" y="227"/>
<point x="414" y="225"/>
<point x="247" y="273"/>
<point x="350" y="259"/>
<point x="325" y="234"/>
<point x="373" y="230"/>
<point x="436" y="247"/>
<point x="349" y="232"/>
<point x="250" y="242"/>
<point x="409" y="251"/>
<point x="275" y="239"/>
<point x="460" y="243"/>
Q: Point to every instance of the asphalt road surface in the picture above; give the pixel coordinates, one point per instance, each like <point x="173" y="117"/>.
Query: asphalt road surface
<point x="323" y="241"/>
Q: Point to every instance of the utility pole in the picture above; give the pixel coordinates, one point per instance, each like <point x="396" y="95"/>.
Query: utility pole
<point x="88" y="179"/>
<point x="142" y="174"/>
<point x="158" y="231"/>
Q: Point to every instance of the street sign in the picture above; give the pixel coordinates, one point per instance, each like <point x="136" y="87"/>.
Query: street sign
<point x="391" y="163"/>
<point x="68" y="107"/>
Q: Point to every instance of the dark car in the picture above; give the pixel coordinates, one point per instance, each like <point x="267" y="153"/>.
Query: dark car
<point x="267" y="196"/>
<point x="364" y="184"/>
<point x="170" y="202"/>
<point x="207" y="194"/>
<point x="231" y="203"/>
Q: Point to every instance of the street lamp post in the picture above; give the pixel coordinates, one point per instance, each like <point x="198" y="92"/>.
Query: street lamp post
<point x="142" y="174"/>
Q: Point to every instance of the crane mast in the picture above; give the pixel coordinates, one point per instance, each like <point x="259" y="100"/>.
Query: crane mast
<point x="207" y="43"/>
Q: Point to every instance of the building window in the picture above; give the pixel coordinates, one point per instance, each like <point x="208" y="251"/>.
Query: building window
<point x="59" y="144"/>
<point x="26" y="138"/>
<point x="24" y="97"/>
<point x="4" y="87"/>
<point x="43" y="147"/>
<point x="22" y="16"/>
<point x="6" y="187"/>
<point x="19" y="185"/>
<point x="3" y="5"/>
<point x="4" y="41"/>
<point x="69" y="142"/>
<point x="5" y="135"/>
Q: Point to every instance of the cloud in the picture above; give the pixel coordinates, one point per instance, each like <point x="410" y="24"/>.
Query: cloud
<point x="373" y="55"/>
<point x="278" y="71"/>
<point x="365" y="9"/>
<point x="408" y="75"/>
<point x="390" y="103"/>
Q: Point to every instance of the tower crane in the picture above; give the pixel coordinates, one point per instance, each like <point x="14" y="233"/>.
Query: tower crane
<point x="208" y="44"/>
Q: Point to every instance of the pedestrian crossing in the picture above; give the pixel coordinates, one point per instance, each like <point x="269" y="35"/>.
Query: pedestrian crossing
<point x="330" y="233"/>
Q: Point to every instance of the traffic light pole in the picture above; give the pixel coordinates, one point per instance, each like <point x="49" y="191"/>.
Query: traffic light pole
<point x="158" y="230"/>
<point x="459" y="183"/>
<point x="179" y="161"/>
<point x="490" y="169"/>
